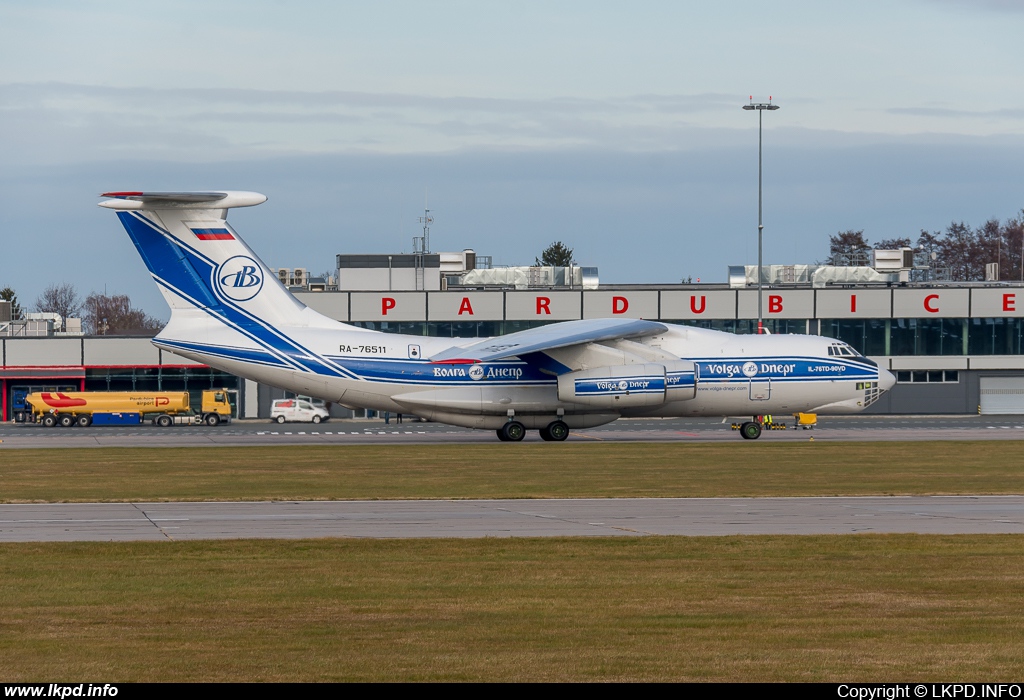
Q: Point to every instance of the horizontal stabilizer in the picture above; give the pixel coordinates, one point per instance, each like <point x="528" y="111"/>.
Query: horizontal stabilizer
<point x="135" y="201"/>
<point x="557" y="335"/>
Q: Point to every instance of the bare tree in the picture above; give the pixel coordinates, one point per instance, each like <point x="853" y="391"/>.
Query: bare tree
<point x="60" y="299"/>
<point x="114" y="315"/>
<point x="989" y="245"/>
<point x="963" y="252"/>
<point x="1012" y="249"/>
<point x="848" y="248"/>
<point x="892" y="244"/>
<point x="958" y="252"/>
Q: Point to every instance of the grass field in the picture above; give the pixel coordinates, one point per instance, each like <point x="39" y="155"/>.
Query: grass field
<point x="823" y="608"/>
<point x="854" y="608"/>
<point x="595" y="470"/>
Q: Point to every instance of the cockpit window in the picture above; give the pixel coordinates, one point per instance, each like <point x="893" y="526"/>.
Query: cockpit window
<point x="842" y="351"/>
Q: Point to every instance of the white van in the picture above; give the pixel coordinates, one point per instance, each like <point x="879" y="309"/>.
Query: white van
<point x="297" y="411"/>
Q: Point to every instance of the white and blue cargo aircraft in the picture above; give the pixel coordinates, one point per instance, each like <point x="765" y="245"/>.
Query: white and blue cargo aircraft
<point x="229" y="311"/>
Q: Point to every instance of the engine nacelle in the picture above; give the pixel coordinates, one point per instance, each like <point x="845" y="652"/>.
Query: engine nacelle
<point x="629" y="386"/>
<point x="680" y="380"/>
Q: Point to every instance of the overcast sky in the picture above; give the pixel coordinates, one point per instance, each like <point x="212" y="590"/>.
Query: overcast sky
<point x="613" y="127"/>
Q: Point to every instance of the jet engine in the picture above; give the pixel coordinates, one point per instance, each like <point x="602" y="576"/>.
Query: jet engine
<point x="628" y="386"/>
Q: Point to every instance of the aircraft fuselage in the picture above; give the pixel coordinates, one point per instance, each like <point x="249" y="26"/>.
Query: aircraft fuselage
<point x="736" y="375"/>
<point x="229" y="311"/>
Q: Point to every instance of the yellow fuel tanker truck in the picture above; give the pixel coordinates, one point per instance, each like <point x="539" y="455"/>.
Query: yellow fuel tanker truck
<point x="163" y="408"/>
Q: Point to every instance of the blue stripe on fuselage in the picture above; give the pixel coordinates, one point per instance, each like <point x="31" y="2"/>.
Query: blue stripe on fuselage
<point x="229" y="353"/>
<point x="401" y="371"/>
<point x="796" y="369"/>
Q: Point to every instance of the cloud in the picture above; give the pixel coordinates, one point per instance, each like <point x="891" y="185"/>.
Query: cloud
<point x="79" y="123"/>
<point x="986" y="5"/>
<point x="60" y="122"/>
<point x="944" y="113"/>
<point x="57" y="94"/>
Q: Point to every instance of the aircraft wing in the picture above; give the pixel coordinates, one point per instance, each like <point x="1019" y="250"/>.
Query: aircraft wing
<point x="556" y="335"/>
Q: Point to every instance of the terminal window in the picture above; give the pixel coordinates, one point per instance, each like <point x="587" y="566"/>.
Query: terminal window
<point x="932" y="376"/>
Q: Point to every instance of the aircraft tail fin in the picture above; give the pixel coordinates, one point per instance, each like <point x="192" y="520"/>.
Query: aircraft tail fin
<point x="198" y="261"/>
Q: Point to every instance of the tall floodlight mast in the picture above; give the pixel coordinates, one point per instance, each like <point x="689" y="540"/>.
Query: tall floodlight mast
<point x="760" y="107"/>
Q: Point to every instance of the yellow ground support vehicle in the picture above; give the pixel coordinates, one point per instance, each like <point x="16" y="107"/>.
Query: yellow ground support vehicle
<point x="807" y="421"/>
<point x="166" y="408"/>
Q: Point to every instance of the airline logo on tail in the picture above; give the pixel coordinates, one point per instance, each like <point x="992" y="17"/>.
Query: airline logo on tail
<point x="240" y="278"/>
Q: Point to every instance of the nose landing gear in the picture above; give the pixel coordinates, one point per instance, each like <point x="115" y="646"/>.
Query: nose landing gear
<point x="751" y="430"/>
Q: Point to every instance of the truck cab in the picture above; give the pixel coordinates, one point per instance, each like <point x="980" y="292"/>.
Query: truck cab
<point x="216" y="407"/>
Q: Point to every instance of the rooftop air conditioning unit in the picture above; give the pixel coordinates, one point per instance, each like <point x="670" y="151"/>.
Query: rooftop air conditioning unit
<point x="892" y="260"/>
<point x="299" y="277"/>
<point x="284" y="276"/>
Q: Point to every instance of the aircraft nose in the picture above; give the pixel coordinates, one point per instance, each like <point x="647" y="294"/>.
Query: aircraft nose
<point x="886" y="379"/>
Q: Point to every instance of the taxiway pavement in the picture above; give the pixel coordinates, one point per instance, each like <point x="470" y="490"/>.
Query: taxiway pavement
<point x="361" y="432"/>
<point x="51" y="522"/>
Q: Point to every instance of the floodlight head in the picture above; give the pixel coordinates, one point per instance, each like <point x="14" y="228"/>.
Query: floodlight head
<point x="760" y="106"/>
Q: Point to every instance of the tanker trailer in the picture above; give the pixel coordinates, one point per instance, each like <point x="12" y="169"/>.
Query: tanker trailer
<point x="84" y="408"/>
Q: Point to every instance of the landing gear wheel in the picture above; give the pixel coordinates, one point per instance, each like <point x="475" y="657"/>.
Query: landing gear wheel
<point x="84" y="421"/>
<point x="66" y="421"/>
<point x="750" y="430"/>
<point x="49" y="420"/>
<point x="555" y="431"/>
<point x="513" y="431"/>
<point x="501" y="434"/>
<point x="213" y="419"/>
<point x="164" y="421"/>
<point x="559" y="430"/>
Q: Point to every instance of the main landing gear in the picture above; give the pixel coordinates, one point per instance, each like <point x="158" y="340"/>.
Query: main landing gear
<point x="555" y="431"/>
<point x="514" y="431"/>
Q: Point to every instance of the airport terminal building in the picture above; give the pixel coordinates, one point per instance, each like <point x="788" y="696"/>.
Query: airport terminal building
<point x="954" y="348"/>
<point x="106" y="363"/>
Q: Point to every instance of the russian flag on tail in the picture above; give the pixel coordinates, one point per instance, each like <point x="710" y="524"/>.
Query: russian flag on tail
<point x="213" y="234"/>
